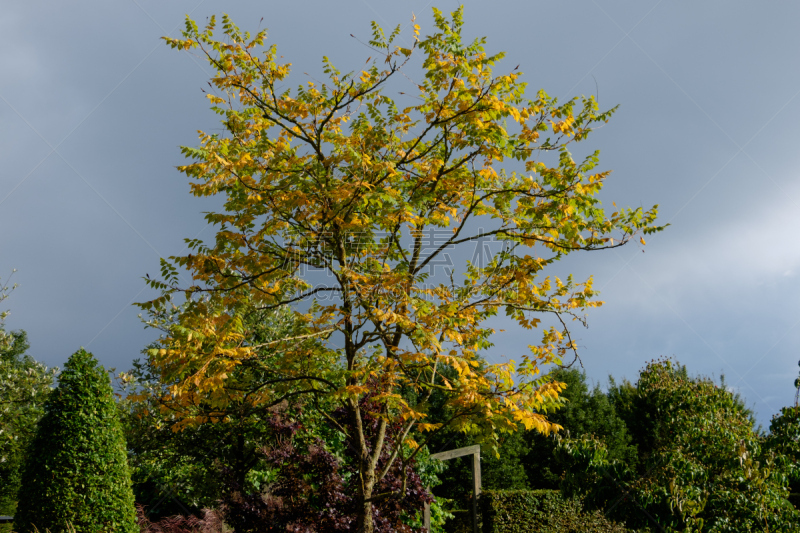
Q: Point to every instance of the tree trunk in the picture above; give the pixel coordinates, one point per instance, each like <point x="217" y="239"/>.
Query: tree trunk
<point x="365" y="522"/>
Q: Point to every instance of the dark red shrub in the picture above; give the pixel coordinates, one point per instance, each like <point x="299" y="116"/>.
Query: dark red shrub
<point x="314" y="491"/>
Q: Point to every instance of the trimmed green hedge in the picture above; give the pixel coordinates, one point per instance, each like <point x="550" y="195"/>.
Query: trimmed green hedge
<point x="540" y="511"/>
<point x="76" y="473"/>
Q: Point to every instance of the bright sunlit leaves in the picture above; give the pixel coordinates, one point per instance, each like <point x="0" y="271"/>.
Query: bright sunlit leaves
<point x="376" y="199"/>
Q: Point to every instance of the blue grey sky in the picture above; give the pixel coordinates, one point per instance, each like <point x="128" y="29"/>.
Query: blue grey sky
<point x="93" y="108"/>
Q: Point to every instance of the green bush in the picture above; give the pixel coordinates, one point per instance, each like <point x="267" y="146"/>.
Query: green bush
<point x="24" y="386"/>
<point x="701" y="464"/>
<point x="76" y="472"/>
<point x="540" y="511"/>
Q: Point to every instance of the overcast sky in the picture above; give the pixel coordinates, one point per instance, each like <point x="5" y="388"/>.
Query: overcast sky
<point x="94" y="107"/>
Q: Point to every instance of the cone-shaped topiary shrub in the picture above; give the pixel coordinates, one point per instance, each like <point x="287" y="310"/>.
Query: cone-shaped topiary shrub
<point x="76" y="470"/>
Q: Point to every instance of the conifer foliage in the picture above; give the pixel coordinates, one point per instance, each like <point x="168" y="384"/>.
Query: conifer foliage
<point x="76" y="472"/>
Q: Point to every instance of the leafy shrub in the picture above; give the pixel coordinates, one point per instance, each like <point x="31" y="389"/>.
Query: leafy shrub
<point x="701" y="465"/>
<point x="24" y="386"/>
<point x="540" y="511"/>
<point x="784" y="440"/>
<point x="76" y="471"/>
<point x="177" y="447"/>
<point x="312" y="490"/>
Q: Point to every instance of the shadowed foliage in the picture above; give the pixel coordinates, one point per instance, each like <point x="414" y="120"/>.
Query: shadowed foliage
<point x="701" y="465"/>
<point x="24" y="386"/>
<point x="313" y="490"/>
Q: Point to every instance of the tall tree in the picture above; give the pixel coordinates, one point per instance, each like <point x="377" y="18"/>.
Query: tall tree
<point x="76" y="472"/>
<point x="701" y="465"/>
<point x="341" y="201"/>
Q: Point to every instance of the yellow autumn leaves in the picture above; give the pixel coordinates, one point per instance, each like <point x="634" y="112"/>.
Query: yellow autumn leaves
<point x="331" y="193"/>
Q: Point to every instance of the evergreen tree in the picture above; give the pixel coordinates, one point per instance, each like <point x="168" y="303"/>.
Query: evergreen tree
<point x="701" y="464"/>
<point x="587" y="412"/>
<point x="76" y="472"/>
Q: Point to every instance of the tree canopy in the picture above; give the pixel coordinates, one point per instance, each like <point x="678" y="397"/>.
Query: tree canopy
<point x="701" y="466"/>
<point x="341" y="201"/>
